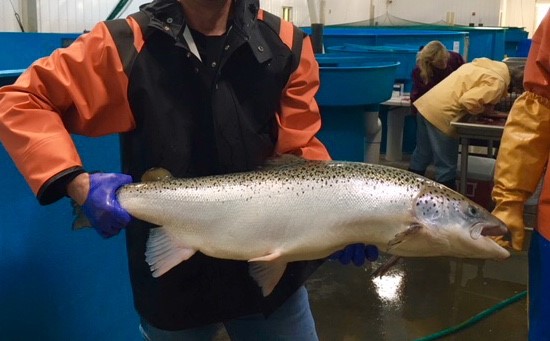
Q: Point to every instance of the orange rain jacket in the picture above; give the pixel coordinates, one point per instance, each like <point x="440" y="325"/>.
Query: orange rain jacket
<point x="525" y="146"/>
<point x="83" y="90"/>
<point x="143" y="77"/>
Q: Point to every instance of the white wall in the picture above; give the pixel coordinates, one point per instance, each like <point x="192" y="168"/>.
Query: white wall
<point x="7" y="16"/>
<point x="71" y="15"/>
<point x="78" y="15"/>
<point x="345" y="11"/>
<point x="133" y="7"/>
<point x="519" y="13"/>
<point x="429" y="11"/>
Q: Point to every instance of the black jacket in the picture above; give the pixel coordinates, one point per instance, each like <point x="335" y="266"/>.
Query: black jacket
<point x="194" y="124"/>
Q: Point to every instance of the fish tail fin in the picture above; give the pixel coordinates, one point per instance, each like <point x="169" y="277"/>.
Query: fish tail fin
<point x="163" y="252"/>
<point x="80" y="221"/>
<point x="267" y="274"/>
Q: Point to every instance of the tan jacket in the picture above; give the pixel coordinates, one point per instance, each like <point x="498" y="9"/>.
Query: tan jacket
<point x="467" y="90"/>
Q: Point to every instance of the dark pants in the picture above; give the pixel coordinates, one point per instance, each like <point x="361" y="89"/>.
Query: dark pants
<point x="539" y="288"/>
<point x="292" y="321"/>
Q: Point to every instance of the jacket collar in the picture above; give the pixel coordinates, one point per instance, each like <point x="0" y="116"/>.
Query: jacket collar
<point x="167" y="16"/>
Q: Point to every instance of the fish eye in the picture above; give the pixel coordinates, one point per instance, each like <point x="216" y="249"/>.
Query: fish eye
<point x="472" y="210"/>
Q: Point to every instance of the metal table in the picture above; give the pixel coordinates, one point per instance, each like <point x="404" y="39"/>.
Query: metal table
<point x="399" y="106"/>
<point x="469" y="128"/>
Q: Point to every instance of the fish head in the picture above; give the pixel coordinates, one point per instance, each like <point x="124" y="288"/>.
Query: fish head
<point x="447" y="223"/>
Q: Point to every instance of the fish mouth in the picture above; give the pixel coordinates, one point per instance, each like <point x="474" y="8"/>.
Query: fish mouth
<point x="492" y="230"/>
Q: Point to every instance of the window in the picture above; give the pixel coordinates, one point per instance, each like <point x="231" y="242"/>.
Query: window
<point x="541" y="8"/>
<point x="287" y="13"/>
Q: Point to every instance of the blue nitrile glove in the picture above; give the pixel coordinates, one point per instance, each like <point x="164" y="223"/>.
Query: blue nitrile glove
<point x="101" y="206"/>
<point x="356" y="253"/>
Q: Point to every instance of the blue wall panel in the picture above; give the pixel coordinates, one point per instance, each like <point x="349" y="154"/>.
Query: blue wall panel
<point x="59" y="284"/>
<point x="55" y="283"/>
<point x="20" y="49"/>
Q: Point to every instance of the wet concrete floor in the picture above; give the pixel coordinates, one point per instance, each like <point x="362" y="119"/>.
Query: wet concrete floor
<point x="420" y="297"/>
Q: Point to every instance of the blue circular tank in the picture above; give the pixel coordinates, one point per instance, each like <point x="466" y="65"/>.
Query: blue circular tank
<point x="354" y="80"/>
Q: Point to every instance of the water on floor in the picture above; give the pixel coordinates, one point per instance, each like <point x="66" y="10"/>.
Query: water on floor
<point x="460" y="300"/>
<point x="420" y="297"/>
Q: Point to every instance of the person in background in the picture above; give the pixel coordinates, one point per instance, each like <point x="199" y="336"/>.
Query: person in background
<point x="521" y="162"/>
<point x="198" y="87"/>
<point x="473" y="88"/>
<point x="433" y="63"/>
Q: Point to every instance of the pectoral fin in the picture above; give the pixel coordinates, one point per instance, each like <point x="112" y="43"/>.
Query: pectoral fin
<point x="267" y="274"/>
<point x="384" y="268"/>
<point x="80" y="221"/>
<point x="267" y="258"/>
<point x="163" y="253"/>
<point x="402" y="236"/>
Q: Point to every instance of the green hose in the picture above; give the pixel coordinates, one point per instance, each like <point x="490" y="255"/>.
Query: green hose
<point x="118" y="9"/>
<point x="471" y="321"/>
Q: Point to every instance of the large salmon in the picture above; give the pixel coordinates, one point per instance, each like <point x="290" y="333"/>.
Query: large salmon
<point x="307" y="210"/>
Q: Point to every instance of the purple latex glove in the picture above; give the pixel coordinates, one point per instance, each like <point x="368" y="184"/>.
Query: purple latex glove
<point x="101" y="206"/>
<point x="356" y="253"/>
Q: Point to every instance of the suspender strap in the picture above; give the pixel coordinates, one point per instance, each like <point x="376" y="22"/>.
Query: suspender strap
<point x="272" y="21"/>
<point x="298" y="40"/>
<point x="291" y="35"/>
<point x="142" y="19"/>
<point x="124" y="38"/>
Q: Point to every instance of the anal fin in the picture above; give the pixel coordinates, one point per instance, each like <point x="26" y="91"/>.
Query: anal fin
<point x="267" y="274"/>
<point x="163" y="253"/>
<point x="267" y="258"/>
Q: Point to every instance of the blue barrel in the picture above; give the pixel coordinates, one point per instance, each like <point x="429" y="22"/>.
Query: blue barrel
<point x="412" y="36"/>
<point x="354" y="80"/>
<point x="404" y="54"/>
<point x="350" y="86"/>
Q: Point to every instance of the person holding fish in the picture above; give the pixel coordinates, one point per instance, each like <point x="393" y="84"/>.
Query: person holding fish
<point x="198" y="87"/>
<point x="522" y="161"/>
